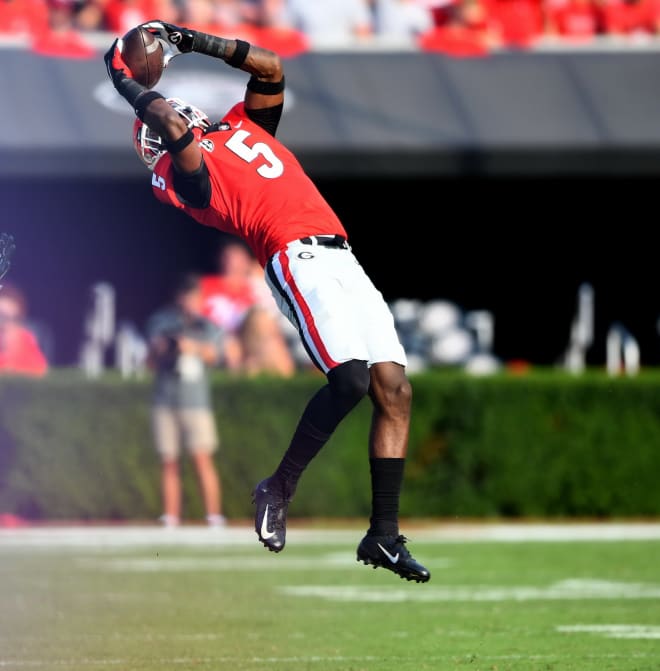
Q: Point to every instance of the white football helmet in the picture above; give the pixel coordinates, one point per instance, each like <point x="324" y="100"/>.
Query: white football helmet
<point x="149" y="146"/>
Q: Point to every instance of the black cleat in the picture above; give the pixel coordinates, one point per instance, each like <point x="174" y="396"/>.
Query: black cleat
<point x="270" y="516"/>
<point x="391" y="553"/>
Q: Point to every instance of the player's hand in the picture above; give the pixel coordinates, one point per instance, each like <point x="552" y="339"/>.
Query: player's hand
<point x="117" y="69"/>
<point x="175" y="40"/>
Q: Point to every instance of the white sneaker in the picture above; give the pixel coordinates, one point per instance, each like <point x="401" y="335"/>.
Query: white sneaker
<point x="169" y="521"/>
<point x="216" y="520"/>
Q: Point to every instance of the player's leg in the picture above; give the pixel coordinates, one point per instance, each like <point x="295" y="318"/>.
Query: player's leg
<point x="390" y="392"/>
<point x="347" y="384"/>
<point x="391" y="396"/>
<point x="309" y="291"/>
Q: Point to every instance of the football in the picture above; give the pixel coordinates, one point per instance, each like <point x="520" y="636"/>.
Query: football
<point x="143" y="53"/>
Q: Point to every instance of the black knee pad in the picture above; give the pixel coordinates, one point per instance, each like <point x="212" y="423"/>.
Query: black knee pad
<point x="349" y="382"/>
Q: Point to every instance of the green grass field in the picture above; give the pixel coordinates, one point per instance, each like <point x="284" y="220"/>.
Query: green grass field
<point x="150" y="599"/>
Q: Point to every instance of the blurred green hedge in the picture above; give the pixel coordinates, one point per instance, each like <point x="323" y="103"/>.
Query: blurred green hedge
<point x="544" y="444"/>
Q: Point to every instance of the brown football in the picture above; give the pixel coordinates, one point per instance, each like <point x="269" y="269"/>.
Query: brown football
<point x="143" y="54"/>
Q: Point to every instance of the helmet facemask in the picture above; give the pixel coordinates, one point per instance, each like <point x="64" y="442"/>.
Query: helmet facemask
<point x="150" y="146"/>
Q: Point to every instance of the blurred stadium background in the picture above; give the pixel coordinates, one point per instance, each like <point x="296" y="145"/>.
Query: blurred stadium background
<point x="496" y="164"/>
<point x="497" y="155"/>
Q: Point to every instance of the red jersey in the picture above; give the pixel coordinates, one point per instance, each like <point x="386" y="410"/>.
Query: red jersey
<point x="259" y="190"/>
<point x="23" y="355"/>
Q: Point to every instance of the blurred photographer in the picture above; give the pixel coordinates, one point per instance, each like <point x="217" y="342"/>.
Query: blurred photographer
<point x="183" y="346"/>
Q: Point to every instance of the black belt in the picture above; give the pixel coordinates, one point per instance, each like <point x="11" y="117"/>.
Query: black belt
<point x="337" y="241"/>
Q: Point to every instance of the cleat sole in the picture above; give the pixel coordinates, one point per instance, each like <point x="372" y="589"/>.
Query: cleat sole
<point x="403" y="576"/>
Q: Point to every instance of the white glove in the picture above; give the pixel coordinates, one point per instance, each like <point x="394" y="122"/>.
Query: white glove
<point x="175" y="40"/>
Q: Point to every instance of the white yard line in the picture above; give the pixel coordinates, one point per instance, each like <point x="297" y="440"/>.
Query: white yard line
<point x="564" y="590"/>
<point x="613" y="630"/>
<point x="141" y="536"/>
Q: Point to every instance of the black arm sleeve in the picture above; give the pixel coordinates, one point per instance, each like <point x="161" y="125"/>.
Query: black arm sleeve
<point x="193" y="188"/>
<point x="267" y="117"/>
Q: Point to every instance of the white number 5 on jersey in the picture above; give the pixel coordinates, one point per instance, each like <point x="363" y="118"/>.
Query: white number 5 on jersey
<point x="157" y="181"/>
<point x="272" y="166"/>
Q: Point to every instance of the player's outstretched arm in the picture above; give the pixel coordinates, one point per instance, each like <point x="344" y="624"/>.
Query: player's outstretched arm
<point x="266" y="86"/>
<point x="152" y="108"/>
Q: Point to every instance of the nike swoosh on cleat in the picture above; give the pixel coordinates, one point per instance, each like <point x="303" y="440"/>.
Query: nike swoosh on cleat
<point x="394" y="559"/>
<point x="265" y="534"/>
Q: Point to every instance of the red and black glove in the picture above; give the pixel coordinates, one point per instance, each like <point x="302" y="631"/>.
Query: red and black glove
<point x="121" y="74"/>
<point x="114" y="63"/>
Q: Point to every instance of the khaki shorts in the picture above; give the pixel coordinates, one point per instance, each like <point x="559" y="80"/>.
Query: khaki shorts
<point x="191" y="428"/>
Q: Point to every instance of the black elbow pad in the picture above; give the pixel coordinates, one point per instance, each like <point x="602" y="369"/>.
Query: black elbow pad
<point x="267" y="117"/>
<point x="193" y="188"/>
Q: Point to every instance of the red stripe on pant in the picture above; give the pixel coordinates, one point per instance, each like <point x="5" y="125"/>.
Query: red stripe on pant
<point x="304" y="311"/>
